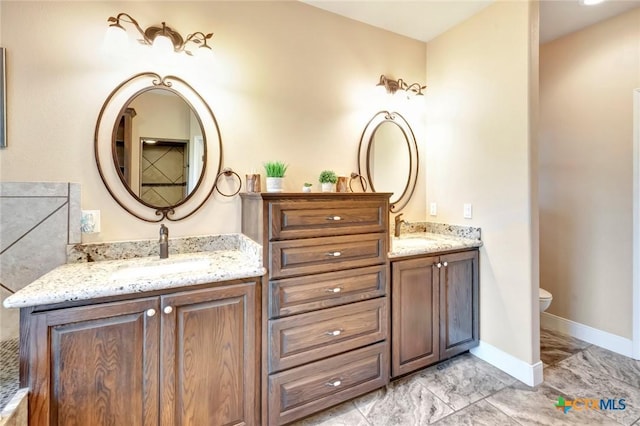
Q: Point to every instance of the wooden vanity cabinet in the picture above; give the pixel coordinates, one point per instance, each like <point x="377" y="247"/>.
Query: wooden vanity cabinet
<point x="185" y="358"/>
<point x="435" y="312"/>
<point x="326" y="332"/>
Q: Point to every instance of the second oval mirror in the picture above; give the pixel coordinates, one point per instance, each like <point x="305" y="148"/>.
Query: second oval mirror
<point x="388" y="157"/>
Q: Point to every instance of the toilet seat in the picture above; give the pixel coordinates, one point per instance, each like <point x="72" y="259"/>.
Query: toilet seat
<point x="545" y="295"/>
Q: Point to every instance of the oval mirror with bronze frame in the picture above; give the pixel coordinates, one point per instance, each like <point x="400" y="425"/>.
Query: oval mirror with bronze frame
<point x="388" y="157"/>
<point x="158" y="147"/>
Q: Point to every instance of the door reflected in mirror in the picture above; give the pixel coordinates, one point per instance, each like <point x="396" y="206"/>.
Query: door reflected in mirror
<point x="158" y="147"/>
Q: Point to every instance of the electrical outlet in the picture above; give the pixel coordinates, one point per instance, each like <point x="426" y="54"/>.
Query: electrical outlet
<point x="467" y="211"/>
<point x="90" y="222"/>
<point x="433" y="209"/>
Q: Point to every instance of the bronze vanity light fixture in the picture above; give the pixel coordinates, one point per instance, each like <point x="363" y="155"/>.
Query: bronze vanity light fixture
<point x="393" y="86"/>
<point x="160" y="37"/>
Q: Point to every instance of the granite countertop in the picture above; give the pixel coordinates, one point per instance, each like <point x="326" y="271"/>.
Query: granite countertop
<point x="418" y="243"/>
<point x="88" y="280"/>
<point x="418" y="238"/>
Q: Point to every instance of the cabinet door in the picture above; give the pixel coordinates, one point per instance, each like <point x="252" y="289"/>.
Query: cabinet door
<point x="95" y="365"/>
<point x="209" y="355"/>
<point x="459" y="316"/>
<point x="414" y="313"/>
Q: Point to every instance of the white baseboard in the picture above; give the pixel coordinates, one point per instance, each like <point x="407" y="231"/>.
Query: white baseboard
<point x="604" y="339"/>
<point x="528" y="374"/>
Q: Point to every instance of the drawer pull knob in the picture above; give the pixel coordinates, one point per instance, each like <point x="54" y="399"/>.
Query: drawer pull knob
<point x="445" y="264"/>
<point x="334" y="290"/>
<point x="439" y="265"/>
<point x="336" y="218"/>
<point x="334" y="254"/>
<point x="151" y="312"/>
<point x="168" y="309"/>
<point x="334" y="384"/>
<point x="334" y="332"/>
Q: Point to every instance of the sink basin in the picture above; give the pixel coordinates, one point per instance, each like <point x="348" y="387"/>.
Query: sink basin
<point x="161" y="268"/>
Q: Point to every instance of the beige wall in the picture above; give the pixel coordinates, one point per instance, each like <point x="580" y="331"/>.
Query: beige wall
<point x="586" y="170"/>
<point x="478" y="124"/>
<point x="287" y="81"/>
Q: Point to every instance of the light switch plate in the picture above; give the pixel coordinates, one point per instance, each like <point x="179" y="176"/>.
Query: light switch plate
<point x="433" y="208"/>
<point x="467" y="211"/>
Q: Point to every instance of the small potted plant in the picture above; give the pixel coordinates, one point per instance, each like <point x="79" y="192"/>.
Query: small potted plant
<point x="328" y="178"/>
<point x="275" y="173"/>
<point x="307" y="187"/>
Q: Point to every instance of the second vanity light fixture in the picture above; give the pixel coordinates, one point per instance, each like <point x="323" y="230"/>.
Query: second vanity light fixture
<point x="393" y="86"/>
<point x="161" y="37"/>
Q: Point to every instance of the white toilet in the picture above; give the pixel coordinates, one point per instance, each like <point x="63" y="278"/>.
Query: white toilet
<point x="545" y="299"/>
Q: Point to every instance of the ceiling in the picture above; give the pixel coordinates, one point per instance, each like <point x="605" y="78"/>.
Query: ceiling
<point x="426" y="19"/>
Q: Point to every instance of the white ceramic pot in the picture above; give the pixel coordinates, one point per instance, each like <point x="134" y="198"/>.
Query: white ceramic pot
<point x="327" y="187"/>
<point x="306" y="189"/>
<point x="275" y="184"/>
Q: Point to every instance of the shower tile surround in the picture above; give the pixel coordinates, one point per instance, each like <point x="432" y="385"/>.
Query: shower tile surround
<point x="38" y="221"/>
<point x="36" y="225"/>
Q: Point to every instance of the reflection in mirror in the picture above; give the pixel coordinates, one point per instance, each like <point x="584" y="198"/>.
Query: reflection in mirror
<point x="158" y="147"/>
<point x="388" y="157"/>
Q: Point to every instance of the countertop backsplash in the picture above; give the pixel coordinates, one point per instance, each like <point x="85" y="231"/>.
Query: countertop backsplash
<point x="120" y="250"/>
<point x="469" y="232"/>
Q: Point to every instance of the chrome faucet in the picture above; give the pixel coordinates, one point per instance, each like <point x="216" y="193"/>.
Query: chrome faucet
<point x="398" y="223"/>
<point x="164" y="242"/>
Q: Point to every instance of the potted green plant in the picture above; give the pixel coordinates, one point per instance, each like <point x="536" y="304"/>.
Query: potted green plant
<point x="307" y="187"/>
<point x="275" y="171"/>
<point x="328" y="178"/>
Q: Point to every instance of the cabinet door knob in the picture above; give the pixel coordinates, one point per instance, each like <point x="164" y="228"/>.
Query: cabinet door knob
<point x="151" y="312"/>
<point x="439" y="265"/>
<point x="336" y="218"/>
<point x="334" y="254"/>
<point x="334" y="290"/>
<point x="334" y="332"/>
<point x="445" y="264"/>
<point x="168" y="309"/>
<point x="334" y="384"/>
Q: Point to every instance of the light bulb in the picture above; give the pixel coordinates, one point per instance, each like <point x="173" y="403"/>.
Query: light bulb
<point x="115" y="39"/>
<point x="162" y="44"/>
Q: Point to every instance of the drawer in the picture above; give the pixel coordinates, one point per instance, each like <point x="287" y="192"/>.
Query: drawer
<point x="312" y="336"/>
<point x="290" y="296"/>
<point x="326" y="218"/>
<point x="327" y="254"/>
<point x="305" y="390"/>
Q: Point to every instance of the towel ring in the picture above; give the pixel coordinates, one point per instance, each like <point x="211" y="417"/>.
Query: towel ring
<point x="228" y="172"/>
<point x="363" y="181"/>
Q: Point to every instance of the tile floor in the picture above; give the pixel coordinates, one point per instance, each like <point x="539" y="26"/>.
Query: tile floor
<point x="467" y="391"/>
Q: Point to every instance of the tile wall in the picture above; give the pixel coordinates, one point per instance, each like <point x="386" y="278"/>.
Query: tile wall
<point x="37" y="221"/>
